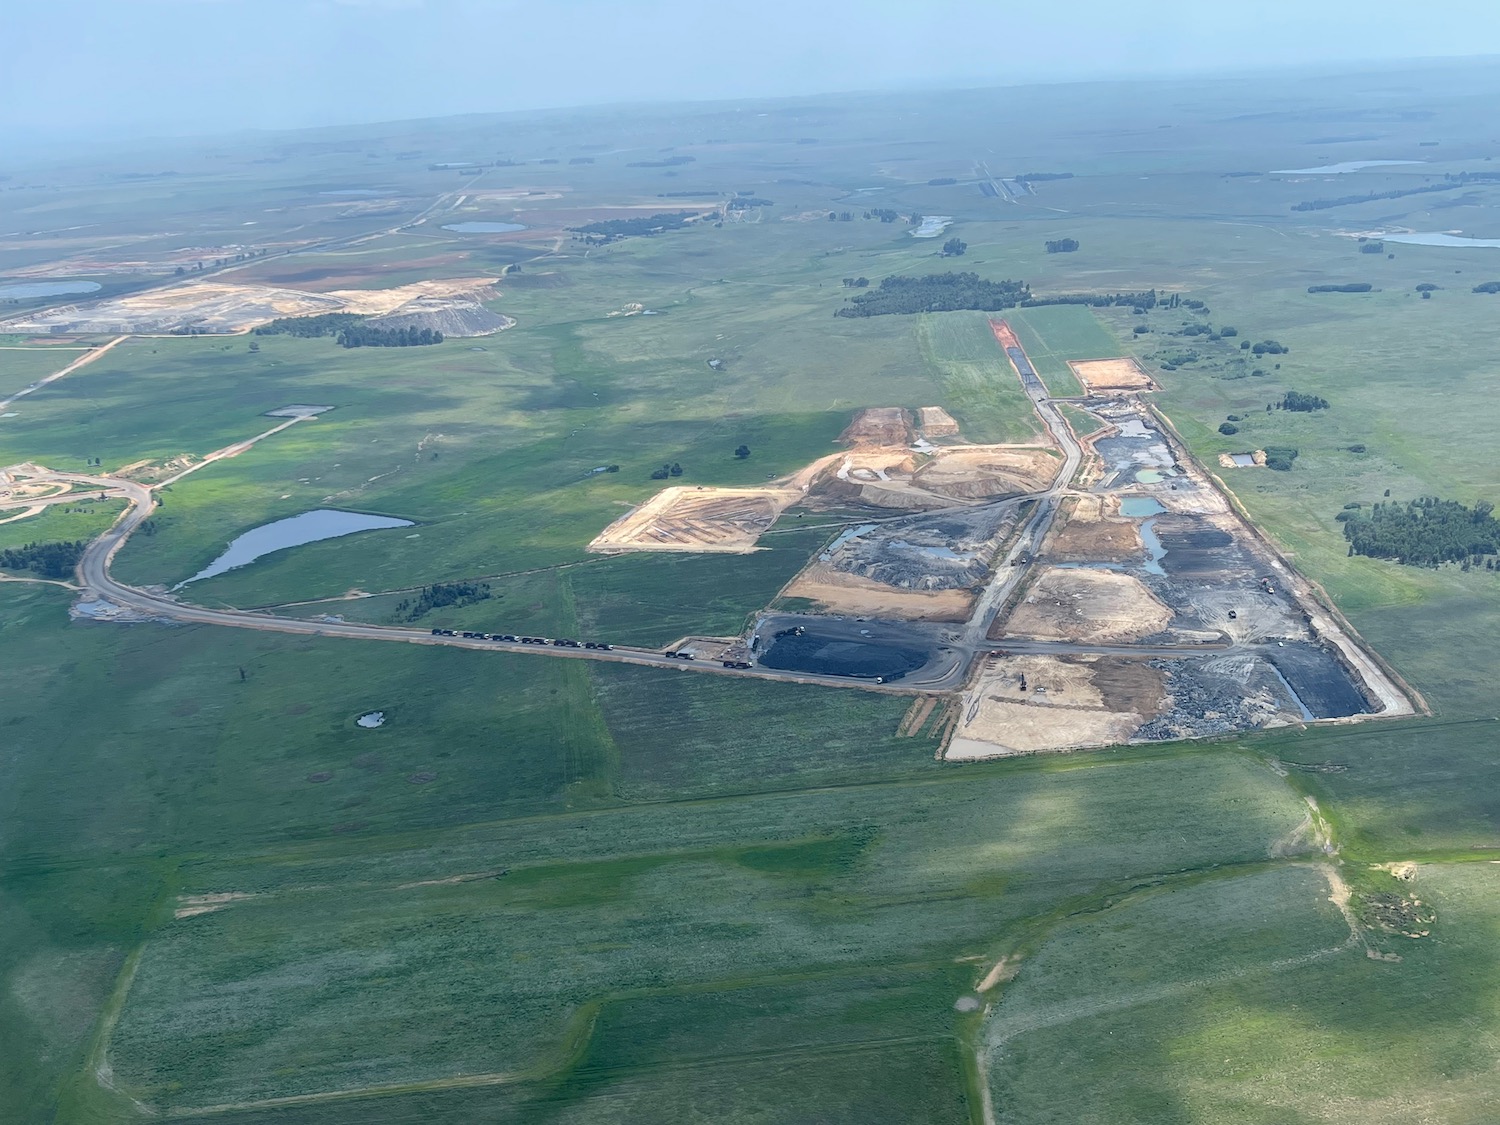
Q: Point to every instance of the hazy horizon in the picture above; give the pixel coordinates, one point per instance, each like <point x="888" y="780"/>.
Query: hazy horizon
<point x="195" y="66"/>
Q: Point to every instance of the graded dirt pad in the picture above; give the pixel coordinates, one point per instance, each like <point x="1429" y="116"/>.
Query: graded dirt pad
<point x="878" y="425"/>
<point x="1082" y="604"/>
<point x="1004" y="335"/>
<point x="835" y="591"/>
<point x="1067" y="703"/>
<point x="934" y="421"/>
<point x="1068" y="711"/>
<point x="973" y="472"/>
<point x="727" y="520"/>
<point x="1086" y="534"/>
<point x="1103" y="375"/>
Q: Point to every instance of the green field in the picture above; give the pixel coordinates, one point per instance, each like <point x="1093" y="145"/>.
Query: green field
<point x="568" y="892"/>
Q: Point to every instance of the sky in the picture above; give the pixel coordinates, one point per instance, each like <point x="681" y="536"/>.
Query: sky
<point x="124" y="68"/>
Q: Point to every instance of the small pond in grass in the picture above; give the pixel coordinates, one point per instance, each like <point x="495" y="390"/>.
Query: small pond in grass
<point x="309" y="527"/>
<point x="484" y="228"/>
<point x="47" y="288"/>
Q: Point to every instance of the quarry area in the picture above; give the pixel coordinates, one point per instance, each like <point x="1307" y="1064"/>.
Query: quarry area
<point x="455" y="307"/>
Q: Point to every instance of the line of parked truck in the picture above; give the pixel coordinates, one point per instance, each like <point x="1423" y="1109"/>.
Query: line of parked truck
<point x="512" y="638"/>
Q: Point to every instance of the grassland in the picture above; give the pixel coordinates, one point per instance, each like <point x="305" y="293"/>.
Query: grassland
<point x="724" y="900"/>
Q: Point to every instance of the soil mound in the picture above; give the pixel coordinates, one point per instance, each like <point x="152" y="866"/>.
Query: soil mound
<point x="452" y="316"/>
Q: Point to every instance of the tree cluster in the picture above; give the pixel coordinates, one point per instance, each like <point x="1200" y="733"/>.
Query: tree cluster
<point x="50" y="560"/>
<point x="1347" y="287"/>
<point x="941" y="181"/>
<point x="1488" y="287"/>
<point x="1280" y="457"/>
<point x="954" y="248"/>
<point x="668" y="162"/>
<point x="324" y="324"/>
<point x="1302" y="403"/>
<point x="1267" y="347"/>
<point x="1061" y="245"/>
<point x="441" y="596"/>
<point x="1348" y="200"/>
<point x="856" y="283"/>
<point x="1426" y="532"/>
<point x="607" y="230"/>
<point x="672" y="470"/>
<point x="1376" y="247"/>
<point x="938" y="292"/>
<point x="364" y="336"/>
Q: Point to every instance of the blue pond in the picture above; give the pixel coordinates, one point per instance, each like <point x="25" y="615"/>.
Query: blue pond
<point x="47" y="288"/>
<point x="309" y="527"/>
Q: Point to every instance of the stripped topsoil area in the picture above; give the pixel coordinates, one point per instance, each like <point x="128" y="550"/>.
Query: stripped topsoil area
<point x="1086" y="605"/>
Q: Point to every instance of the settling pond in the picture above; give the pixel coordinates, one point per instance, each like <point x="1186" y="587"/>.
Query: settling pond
<point x="1434" y="238"/>
<point x="309" y="527"/>
<point x="47" y="288"/>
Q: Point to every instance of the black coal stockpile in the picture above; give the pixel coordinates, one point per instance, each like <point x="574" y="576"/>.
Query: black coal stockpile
<point x="829" y="656"/>
<point x="1319" y="680"/>
<point x="1195" y="546"/>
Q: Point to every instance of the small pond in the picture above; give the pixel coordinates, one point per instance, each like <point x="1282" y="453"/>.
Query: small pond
<point x="371" y="719"/>
<point x="483" y="228"/>
<point x="352" y="192"/>
<point x="932" y="226"/>
<point x="47" y="288"/>
<point x="1138" y="506"/>
<point x="309" y="527"/>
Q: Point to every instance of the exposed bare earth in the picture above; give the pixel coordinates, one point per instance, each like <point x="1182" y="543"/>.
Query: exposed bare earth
<point x="934" y="421"/>
<point x="879" y="425"/>
<point x="1111" y="375"/>
<point x="987" y="471"/>
<point x="837" y="591"/>
<point x="1088" y="535"/>
<point x="223" y="307"/>
<point x="1082" y="604"/>
<point x="697" y="519"/>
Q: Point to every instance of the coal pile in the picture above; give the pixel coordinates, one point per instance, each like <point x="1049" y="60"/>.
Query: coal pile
<point x="1319" y="680"/>
<point x="840" y="656"/>
<point x="1194" y="546"/>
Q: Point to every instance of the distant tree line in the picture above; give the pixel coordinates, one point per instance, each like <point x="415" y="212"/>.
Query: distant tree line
<point x="49" y="560"/>
<point x="947" y="292"/>
<point x="938" y="292"/>
<point x="1347" y="287"/>
<point x="941" y="181"/>
<point x="1425" y="532"/>
<point x="884" y="214"/>
<point x="1061" y="245"/>
<point x="1395" y="193"/>
<point x="1039" y="177"/>
<point x="365" y="336"/>
<point x="1487" y="287"/>
<point x="325" y="324"/>
<point x="1376" y="247"/>
<point x="441" y="596"/>
<point x="607" y="230"/>
<point x="669" y="162"/>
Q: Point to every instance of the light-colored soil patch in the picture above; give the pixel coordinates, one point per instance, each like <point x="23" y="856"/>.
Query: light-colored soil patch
<point x="1030" y="704"/>
<point x="728" y="520"/>
<point x="916" y="716"/>
<point x="934" y="421"/>
<point x="1005" y="969"/>
<point x="878" y="425"/>
<point x="986" y="471"/>
<point x="1101" y="606"/>
<point x="837" y="591"/>
<point x="1087" y="535"/>
<point x="1111" y="375"/>
<point x="222" y="307"/>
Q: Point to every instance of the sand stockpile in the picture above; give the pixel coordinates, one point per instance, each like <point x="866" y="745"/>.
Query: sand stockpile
<point x="1101" y="606"/>
<point x="452" y="316"/>
<point x="1100" y="375"/>
<point x="986" y="471"/>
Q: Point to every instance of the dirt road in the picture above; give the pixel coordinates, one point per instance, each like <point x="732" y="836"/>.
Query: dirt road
<point x="86" y="358"/>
